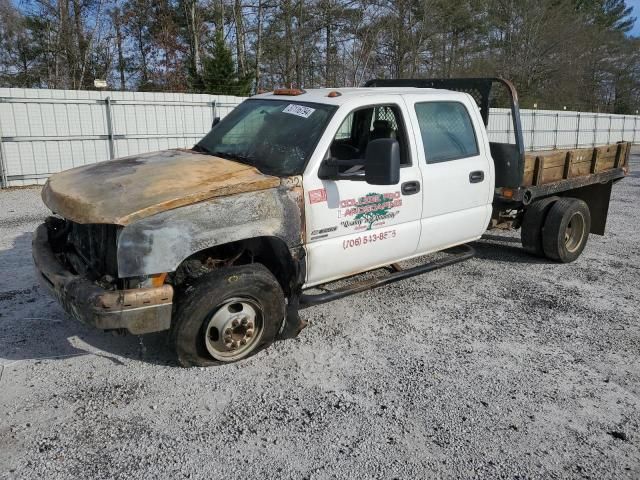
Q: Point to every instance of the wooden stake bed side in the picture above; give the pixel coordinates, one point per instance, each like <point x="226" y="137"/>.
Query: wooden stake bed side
<point x="544" y="167"/>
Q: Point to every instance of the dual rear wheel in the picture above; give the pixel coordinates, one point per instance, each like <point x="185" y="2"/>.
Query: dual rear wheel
<point x="556" y="228"/>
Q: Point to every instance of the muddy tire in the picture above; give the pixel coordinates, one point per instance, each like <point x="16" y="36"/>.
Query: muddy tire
<point x="532" y="224"/>
<point x="226" y="315"/>
<point x="566" y="230"/>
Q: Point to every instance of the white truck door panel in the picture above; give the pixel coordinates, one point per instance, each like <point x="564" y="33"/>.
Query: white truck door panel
<point x="457" y="170"/>
<point x="353" y="226"/>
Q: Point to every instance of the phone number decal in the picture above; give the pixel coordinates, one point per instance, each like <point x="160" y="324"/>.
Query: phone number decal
<point x="369" y="238"/>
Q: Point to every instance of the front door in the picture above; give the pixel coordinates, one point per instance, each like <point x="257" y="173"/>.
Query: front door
<point x="353" y="226"/>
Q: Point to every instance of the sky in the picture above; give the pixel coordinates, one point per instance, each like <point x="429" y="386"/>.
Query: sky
<point x="636" y="13"/>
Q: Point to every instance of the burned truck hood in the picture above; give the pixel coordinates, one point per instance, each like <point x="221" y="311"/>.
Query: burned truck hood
<point x="125" y="190"/>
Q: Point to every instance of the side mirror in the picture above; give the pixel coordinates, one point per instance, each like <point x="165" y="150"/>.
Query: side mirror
<point x="382" y="162"/>
<point x="215" y="122"/>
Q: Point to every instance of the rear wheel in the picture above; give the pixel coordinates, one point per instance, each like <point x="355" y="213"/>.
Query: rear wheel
<point x="227" y="315"/>
<point x="532" y="223"/>
<point x="566" y="230"/>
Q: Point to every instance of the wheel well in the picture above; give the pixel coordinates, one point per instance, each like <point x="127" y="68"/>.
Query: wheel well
<point x="271" y="252"/>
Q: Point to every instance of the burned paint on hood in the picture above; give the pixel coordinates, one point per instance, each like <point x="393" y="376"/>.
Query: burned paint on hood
<point x="129" y="189"/>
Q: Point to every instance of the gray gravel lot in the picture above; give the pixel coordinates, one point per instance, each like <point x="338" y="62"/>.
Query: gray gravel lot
<point x="504" y="367"/>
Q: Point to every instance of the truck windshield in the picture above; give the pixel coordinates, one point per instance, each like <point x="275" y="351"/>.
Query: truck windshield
<point x="275" y="136"/>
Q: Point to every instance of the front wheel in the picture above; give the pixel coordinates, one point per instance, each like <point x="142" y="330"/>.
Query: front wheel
<point x="227" y="315"/>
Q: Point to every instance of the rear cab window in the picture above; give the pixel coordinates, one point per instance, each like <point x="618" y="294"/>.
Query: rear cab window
<point x="447" y="131"/>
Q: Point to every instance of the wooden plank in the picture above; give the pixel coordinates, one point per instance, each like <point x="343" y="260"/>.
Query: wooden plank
<point x="579" y="169"/>
<point x="552" y="174"/>
<point x="553" y="158"/>
<point x="554" y="165"/>
<point x="527" y="178"/>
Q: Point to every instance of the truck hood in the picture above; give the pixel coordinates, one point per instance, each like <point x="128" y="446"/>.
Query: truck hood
<point x="128" y="189"/>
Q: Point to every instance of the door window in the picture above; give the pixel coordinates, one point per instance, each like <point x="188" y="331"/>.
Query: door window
<point x="364" y="125"/>
<point x="447" y="131"/>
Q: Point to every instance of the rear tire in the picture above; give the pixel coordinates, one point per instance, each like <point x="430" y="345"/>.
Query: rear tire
<point x="566" y="230"/>
<point x="227" y="315"/>
<point x="532" y="224"/>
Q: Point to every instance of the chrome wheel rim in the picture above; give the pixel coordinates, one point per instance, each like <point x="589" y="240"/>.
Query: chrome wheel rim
<point x="574" y="232"/>
<point x="234" y="329"/>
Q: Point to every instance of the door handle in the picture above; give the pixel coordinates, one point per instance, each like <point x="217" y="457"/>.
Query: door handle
<point x="476" y="177"/>
<point x="410" y="188"/>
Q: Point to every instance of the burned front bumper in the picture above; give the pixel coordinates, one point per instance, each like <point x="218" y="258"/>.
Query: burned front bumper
<point x="140" y="310"/>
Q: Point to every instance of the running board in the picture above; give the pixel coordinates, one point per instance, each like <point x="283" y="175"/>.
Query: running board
<point x="308" y="300"/>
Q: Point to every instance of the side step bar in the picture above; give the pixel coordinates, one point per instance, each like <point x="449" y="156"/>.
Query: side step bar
<point x="457" y="254"/>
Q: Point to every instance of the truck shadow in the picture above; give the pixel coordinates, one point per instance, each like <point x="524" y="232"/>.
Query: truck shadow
<point x="503" y="248"/>
<point x="33" y="327"/>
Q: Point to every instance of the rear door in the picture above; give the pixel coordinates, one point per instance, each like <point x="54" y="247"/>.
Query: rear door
<point x="457" y="169"/>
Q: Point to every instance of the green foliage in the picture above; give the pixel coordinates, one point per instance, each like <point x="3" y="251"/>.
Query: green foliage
<point x="220" y="75"/>
<point x="573" y="53"/>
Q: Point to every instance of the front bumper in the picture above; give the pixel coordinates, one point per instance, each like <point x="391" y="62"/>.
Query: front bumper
<point x="140" y="310"/>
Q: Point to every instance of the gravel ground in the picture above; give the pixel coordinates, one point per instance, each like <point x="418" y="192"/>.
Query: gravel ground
<point x="503" y="366"/>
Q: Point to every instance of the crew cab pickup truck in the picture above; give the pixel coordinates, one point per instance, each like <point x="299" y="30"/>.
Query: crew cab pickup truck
<point x="222" y="244"/>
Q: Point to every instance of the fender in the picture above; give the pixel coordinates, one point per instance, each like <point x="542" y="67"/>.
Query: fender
<point x="159" y="243"/>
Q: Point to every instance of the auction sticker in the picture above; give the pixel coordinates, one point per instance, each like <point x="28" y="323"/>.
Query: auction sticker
<point x="299" y="110"/>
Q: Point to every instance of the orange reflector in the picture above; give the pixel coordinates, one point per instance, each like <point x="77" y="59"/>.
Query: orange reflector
<point x="158" y="279"/>
<point x="507" y="193"/>
<point x="288" y="91"/>
<point x="334" y="94"/>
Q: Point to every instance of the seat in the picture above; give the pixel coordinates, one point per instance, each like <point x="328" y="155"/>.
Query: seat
<point x="382" y="129"/>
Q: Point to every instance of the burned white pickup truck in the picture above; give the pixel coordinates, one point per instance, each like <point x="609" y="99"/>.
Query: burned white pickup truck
<point x="222" y="244"/>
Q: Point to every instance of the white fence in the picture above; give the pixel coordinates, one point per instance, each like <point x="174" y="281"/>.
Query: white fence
<point x="549" y="129"/>
<point x="46" y="131"/>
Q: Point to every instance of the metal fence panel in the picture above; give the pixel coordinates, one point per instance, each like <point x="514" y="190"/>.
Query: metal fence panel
<point x="548" y="129"/>
<point x="47" y="131"/>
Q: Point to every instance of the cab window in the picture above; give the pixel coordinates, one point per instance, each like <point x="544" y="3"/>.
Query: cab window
<point x="362" y="126"/>
<point x="447" y="131"/>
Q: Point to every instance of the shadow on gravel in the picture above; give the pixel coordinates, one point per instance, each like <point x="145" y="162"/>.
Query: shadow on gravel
<point x="33" y="326"/>
<point x="502" y="249"/>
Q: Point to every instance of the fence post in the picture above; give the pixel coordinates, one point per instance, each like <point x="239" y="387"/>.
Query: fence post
<point x="213" y="110"/>
<point x="578" y="132"/>
<point x="635" y="129"/>
<point x="107" y="103"/>
<point x="3" y="170"/>
<point x="555" y="142"/>
<point x="533" y="129"/>
<point x="609" y="134"/>
<point x="595" y="128"/>
<point x="624" y="124"/>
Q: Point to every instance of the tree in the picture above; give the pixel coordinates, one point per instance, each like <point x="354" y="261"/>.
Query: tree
<point x="220" y="75"/>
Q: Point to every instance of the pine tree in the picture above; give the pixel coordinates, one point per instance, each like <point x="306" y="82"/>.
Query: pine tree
<point x="220" y="74"/>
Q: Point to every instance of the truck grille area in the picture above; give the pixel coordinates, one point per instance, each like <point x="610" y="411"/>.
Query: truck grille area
<point x="95" y="245"/>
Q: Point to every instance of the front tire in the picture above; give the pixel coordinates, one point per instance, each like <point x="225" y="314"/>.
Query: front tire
<point x="566" y="230"/>
<point x="227" y="315"/>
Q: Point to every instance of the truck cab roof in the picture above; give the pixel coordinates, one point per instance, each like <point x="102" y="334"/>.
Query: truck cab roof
<point x="322" y="95"/>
